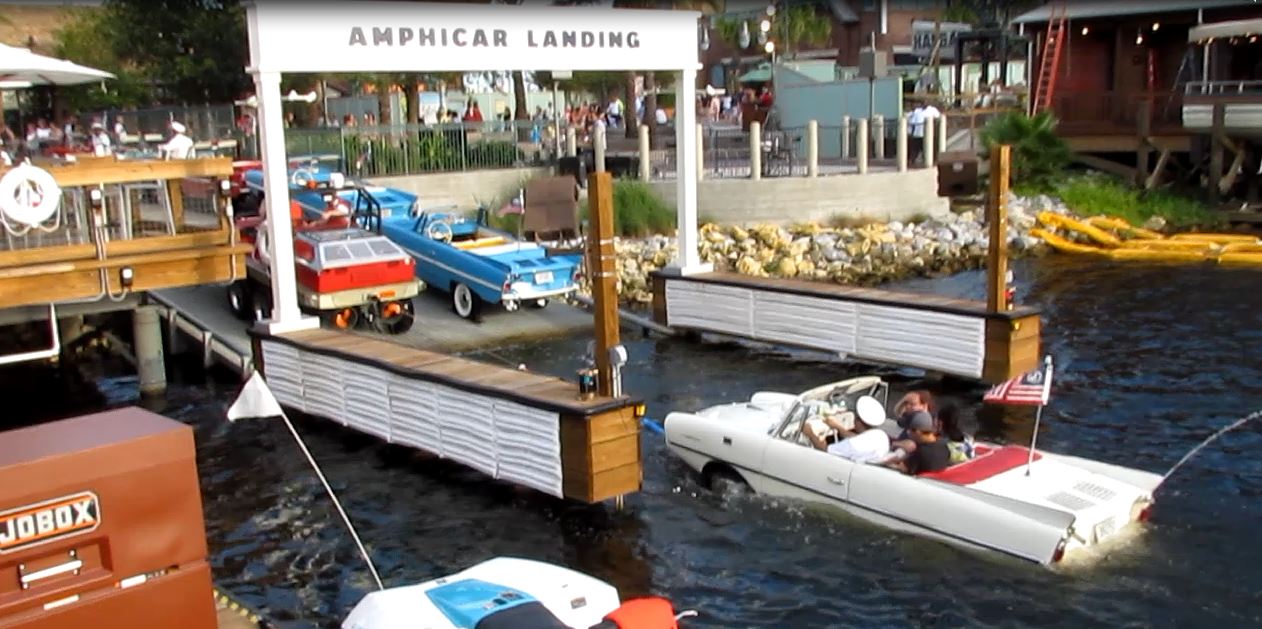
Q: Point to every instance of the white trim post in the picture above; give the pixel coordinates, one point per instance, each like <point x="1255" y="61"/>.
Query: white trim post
<point x="700" y="152"/>
<point x="755" y="150"/>
<point x="900" y="142"/>
<point x="878" y="136"/>
<point x="280" y="233"/>
<point x="861" y="145"/>
<point x="928" y="142"/>
<point x="845" y="137"/>
<point x="571" y="142"/>
<point x="812" y="148"/>
<point x="646" y="164"/>
<point x="941" y="128"/>
<point x="598" y="148"/>
<point x="687" y="256"/>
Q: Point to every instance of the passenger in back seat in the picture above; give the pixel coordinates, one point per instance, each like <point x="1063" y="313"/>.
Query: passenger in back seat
<point x="959" y="439"/>
<point x="926" y="451"/>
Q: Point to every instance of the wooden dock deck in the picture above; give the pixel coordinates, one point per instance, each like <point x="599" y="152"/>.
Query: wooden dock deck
<point x="520" y="427"/>
<point x="942" y="334"/>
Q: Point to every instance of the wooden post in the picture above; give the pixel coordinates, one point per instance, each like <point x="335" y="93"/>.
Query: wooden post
<point x="861" y="145"/>
<point x="997" y="227"/>
<point x="603" y="264"/>
<point x="845" y="137"/>
<point x="1216" y="154"/>
<point x="1143" y="150"/>
<point x="812" y="148"/>
<point x="900" y="142"/>
<point x="598" y="148"/>
<point x="755" y="150"/>
<point x="700" y="152"/>
<point x="646" y="166"/>
<point x="878" y="137"/>
<point x="175" y="194"/>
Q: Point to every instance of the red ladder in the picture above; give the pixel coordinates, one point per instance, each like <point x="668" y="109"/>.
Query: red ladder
<point x="1049" y="61"/>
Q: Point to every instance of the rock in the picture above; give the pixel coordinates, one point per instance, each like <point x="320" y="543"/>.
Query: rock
<point x="739" y="234"/>
<point x="787" y="267"/>
<point x="799" y="247"/>
<point x="748" y="266"/>
<point x="1155" y="223"/>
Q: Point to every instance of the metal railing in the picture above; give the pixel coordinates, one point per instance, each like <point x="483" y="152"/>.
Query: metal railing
<point x="1088" y="112"/>
<point x="1223" y="88"/>
<point x="130" y="211"/>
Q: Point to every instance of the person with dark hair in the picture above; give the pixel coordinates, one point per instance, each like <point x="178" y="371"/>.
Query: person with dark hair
<point x="925" y="450"/>
<point x="959" y="437"/>
<point x="913" y="401"/>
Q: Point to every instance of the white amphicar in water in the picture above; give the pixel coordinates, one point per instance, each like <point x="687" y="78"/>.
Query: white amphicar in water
<point x="998" y="501"/>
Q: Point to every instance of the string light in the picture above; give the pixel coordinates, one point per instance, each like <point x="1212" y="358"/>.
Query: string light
<point x="1085" y="30"/>
<point x="1155" y="26"/>
<point x="1139" y="39"/>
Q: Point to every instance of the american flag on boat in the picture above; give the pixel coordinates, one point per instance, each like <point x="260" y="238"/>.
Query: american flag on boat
<point x="1032" y="388"/>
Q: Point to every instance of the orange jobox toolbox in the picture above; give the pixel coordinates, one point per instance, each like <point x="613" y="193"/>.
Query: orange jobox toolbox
<point x="101" y="525"/>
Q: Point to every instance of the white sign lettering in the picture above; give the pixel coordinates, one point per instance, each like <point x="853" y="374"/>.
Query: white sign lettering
<point x="48" y="520"/>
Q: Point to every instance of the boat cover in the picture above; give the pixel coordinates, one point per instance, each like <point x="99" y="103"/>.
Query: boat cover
<point x="476" y="604"/>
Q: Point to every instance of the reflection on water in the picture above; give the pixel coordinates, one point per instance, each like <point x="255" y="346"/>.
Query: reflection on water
<point x="1150" y="360"/>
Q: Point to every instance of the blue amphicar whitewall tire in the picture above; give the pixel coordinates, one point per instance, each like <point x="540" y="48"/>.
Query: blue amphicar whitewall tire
<point x="465" y="302"/>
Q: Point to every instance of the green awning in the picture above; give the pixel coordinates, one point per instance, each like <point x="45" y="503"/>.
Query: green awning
<point x="761" y="74"/>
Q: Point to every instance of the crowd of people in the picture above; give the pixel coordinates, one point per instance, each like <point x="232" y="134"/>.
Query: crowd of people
<point x="42" y="139"/>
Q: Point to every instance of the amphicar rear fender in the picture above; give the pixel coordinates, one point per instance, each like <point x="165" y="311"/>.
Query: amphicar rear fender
<point x="1144" y="481"/>
<point x="959" y="515"/>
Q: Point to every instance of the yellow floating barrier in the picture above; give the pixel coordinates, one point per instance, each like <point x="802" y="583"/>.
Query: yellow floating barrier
<point x="1167" y="245"/>
<point x="1108" y="222"/>
<point x="1064" y="245"/>
<point x="1242" y="247"/>
<point x="1241" y="259"/>
<point x="1158" y="255"/>
<point x="1094" y="233"/>
<point x="1221" y="239"/>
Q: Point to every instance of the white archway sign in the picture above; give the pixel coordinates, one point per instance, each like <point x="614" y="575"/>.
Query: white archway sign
<point x="425" y="37"/>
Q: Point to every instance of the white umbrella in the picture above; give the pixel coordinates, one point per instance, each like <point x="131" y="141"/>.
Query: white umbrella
<point x="20" y="67"/>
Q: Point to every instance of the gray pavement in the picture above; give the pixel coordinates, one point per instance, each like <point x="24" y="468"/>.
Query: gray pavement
<point x="436" y="327"/>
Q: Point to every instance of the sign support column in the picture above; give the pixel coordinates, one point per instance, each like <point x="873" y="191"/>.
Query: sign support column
<point x="687" y="260"/>
<point x="280" y="237"/>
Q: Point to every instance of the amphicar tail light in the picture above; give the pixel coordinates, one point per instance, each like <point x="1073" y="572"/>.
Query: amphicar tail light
<point x="1060" y="551"/>
<point x="577" y="276"/>
<point x="1141" y="510"/>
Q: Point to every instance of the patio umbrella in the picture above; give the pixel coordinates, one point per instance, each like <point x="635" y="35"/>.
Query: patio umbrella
<point x="21" y="67"/>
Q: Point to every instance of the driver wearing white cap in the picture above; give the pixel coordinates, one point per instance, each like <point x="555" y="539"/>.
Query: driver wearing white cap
<point x="180" y="146"/>
<point x="867" y="445"/>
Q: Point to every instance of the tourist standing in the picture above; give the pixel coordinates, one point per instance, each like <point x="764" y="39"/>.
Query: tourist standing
<point x="180" y="146"/>
<point x="101" y="145"/>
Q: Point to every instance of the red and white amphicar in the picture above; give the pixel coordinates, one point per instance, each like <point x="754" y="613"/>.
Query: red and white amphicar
<point x="347" y="276"/>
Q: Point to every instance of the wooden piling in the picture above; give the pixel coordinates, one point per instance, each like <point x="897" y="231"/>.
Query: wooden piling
<point x="1143" y="148"/>
<point x="1216" y="154"/>
<point x="603" y="264"/>
<point x="997" y="227"/>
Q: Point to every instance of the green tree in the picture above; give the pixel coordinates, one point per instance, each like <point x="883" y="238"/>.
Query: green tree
<point x="86" y="40"/>
<point x="800" y="25"/>
<point x="194" y="49"/>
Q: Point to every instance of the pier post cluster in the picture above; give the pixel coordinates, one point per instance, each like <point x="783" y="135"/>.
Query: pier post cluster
<point x="861" y="142"/>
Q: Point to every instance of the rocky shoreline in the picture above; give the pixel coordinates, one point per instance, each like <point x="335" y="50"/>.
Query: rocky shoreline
<point x="865" y="255"/>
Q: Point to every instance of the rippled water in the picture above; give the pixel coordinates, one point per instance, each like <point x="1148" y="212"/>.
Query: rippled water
<point x="1150" y="360"/>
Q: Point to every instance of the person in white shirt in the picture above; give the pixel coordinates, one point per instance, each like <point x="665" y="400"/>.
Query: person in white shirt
<point x="180" y="146"/>
<point x="922" y="121"/>
<point x="867" y="444"/>
<point x="100" y="141"/>
<point x="660" y="116"/>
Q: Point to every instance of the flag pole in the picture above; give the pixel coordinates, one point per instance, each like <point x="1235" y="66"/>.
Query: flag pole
<point x="1038" y="415"/>
<point x="337" y="503"/>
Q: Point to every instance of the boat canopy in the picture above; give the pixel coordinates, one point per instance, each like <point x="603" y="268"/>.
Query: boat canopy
<point x="1220" y="30"/>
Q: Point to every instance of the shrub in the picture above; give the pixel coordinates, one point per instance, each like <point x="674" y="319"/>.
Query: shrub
<point x="1092" y="194"/>
<point x="1039" y="156"/>
<point x="637" y="211"/>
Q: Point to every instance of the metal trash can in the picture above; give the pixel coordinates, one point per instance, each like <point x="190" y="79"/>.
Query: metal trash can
<point x="957" y="173"/>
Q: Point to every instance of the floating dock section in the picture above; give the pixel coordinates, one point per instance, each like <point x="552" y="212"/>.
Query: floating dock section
<point x="513" y="425"/>
<point x="950" y="336"/>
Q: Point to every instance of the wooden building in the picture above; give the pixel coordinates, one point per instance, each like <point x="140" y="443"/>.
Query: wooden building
<point x="1118" y="54"/>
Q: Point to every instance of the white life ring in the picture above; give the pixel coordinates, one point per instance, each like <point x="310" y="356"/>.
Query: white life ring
<point x="301" y="177"/>
<point x="29" y="195"/>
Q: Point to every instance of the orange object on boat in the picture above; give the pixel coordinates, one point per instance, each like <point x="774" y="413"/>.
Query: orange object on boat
<point x="644" y="613"/>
